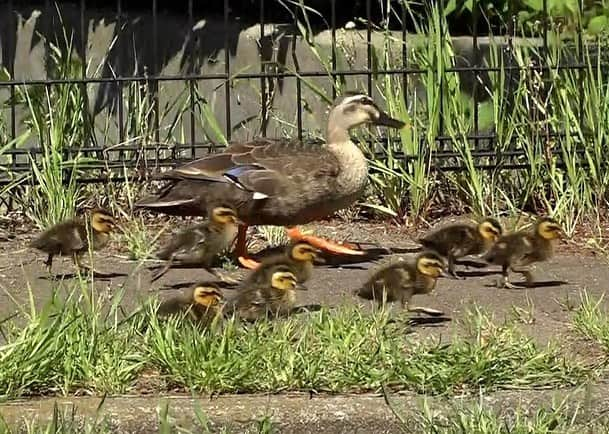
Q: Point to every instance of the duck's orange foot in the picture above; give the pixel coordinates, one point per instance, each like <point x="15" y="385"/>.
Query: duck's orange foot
<point x="248" y="262"/>
<point x="327" y="245"/>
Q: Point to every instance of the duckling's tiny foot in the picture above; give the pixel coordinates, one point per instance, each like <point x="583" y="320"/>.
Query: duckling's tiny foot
<point x="248" y="262"/>
<point x="426" y="310"/>
<point x="227" y="279"/>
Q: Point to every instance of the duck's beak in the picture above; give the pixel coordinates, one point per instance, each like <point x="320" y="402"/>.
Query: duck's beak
<point x="300" y="287"/>
<point x="386" y="120"/>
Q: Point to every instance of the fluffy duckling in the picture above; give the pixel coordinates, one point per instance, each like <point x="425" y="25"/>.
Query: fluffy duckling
<point x="70" y="237"/>
<point x="200" y="244"/>
<point x="298" y="256"/>
<point x="203" y="303"/>
<point x="400" y="280"/>
<point x="461" y="239"/>
<point x="274" y="294"/>
<point x="518" y="250"/>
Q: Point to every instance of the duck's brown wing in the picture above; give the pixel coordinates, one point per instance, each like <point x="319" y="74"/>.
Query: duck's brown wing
<point x="263" y="167"/>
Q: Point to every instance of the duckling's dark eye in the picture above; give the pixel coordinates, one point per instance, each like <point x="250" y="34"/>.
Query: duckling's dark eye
<point x="365" y="101"/>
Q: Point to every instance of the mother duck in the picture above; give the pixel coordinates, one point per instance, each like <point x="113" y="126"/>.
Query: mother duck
<point x="281" y="182"/>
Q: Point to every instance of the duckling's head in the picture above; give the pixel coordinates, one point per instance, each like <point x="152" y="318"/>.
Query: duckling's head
<point x="549" y="229"/>
<point x="430" y="264"/>
<point x="224" y="216"/>
<point x="102" y="221"/>
<point x="353" y="109"/>
<point x="490" y="229"/>
<point x="304" y="252"/>
<point x="207" y="296"/>
<point x="283" y="279"/>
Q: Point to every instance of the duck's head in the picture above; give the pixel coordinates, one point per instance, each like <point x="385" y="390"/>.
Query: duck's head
<point x="283" y="280"/>
<point x="102" y="221"/>
<point x="207" y="296"/>
<point x="304" y="252"/>
<point x="352" y="110"/>
<point x="430" y="264"/>
<point x="549" y="229"/>
<point x="224" y="215"/>
<point x="490" y="229"/>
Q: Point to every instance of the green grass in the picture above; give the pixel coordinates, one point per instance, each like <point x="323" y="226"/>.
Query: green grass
<point x="69" y="421"/>
<point x="592" y="321"/>
<point x="480" y="418"/>
<point x="79" y="344"/>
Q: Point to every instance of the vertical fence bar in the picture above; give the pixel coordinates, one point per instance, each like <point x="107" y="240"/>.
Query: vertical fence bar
<point x="85" y="97"/>
<point x="191" y="83"/>
<point x="476" y="53"/>
<point x="440" y="4"/>
<point x="10" y="64"/>
<point x="263" y="95"/>
<point x="404" y="54"/>
<point x="119" y="83"/>
<point x="333" y="26"/>
<point x="227" y="89"/>
<point x="545" y="71"/>
<point x="155" y="71"/>
<point x="369" y="44"/>
<point x="581" y="59"/>
<point x="298" y="84"/>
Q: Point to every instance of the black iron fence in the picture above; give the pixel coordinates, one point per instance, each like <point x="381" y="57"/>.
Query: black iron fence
<point x="123" y="58"/>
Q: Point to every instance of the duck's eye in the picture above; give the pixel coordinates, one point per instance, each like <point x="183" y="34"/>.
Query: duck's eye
<point x="365" y="101"/>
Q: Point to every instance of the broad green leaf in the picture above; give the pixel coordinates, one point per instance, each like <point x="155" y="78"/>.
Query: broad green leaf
<point x="598" y="24"/>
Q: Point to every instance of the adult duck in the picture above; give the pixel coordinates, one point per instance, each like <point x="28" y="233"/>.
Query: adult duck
<point x="281" y="182"/>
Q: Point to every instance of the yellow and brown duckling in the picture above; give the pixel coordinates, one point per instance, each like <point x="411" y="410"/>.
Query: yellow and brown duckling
<point x="400" y="280"/>
<point x="298" y="256"/>
<point x="202" y="243"/>
<point x="461" y="239"/>
<point x="274" y="294"/>
<point x="70" y="238"/>
<point x="518" y="250"/>
<point x="203" y="303"/>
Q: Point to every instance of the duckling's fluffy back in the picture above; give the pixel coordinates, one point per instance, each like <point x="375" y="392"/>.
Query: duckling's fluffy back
<point x="390" y="277"/>
<point x="459" y="239"/>
<point x="63" y="238"/>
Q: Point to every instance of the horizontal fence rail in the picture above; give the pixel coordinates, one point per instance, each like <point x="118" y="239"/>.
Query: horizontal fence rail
<point x="128" y="122"/>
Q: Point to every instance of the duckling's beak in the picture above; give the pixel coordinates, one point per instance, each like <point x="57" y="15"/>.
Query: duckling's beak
<point x="443" y="273"/>
<point x="319" y="259"/>
<point x="239" y="222"/>
<point x="300" y="287"/>
<point x="386" y="120"/>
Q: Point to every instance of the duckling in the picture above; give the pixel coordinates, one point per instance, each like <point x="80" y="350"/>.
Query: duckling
<point x="400" y="280"/>
<point x="298" y="256"/>
<point x="203" y="303"/>
<point x="200" y="244"/>
<point x="461" y="239"/>
<point x="274" y="294"/>
<point x="518" y="250"/>
<point x="70" y="237"/>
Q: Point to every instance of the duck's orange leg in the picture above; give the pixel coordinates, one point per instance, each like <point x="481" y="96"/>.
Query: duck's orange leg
<point x="241" y="250"/>
<point x="327" y="245"/>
